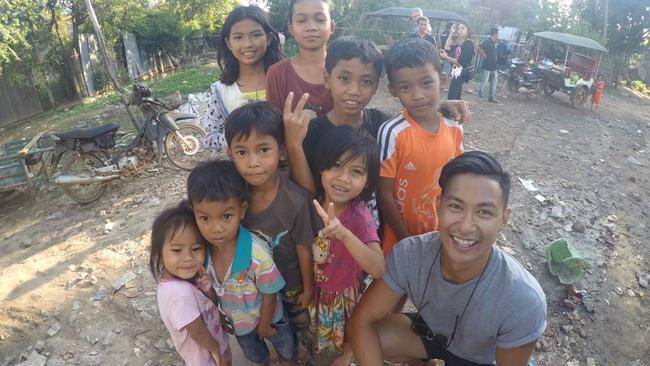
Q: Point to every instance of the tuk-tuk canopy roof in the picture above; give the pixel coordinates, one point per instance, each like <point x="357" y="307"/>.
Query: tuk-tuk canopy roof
<point x="431" y="14"/>
<point x="572" y="40"/>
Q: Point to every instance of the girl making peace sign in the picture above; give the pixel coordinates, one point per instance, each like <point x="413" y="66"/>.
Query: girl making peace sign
<point x="348" y="244"/>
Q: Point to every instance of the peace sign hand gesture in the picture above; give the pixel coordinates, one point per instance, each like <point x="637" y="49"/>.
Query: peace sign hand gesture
<point x="296" y="122"/>
<point x="333" y="227"/>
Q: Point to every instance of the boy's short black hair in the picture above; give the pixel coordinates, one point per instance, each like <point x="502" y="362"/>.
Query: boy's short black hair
<point x="215" y="180"/>
<point x="411" y="52"/>
<point x="166" y="225"/>
<point x="421" y="19"/>
<point x="358" y="142"/>
<point x="262" y="117"/>
<point x="494" y="31"/>
<point x="347" y="48"/>
<point x="478" y="163"/>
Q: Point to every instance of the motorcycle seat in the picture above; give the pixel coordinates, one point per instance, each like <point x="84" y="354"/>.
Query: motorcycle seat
<point x="87" y="133"/>
<point x="173" y="116"/>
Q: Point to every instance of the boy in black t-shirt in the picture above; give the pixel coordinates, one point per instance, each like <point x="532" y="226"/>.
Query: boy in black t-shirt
<point x="423" y="31"/>
<point x="488" y="51"/>
<point x="352" y="70"/>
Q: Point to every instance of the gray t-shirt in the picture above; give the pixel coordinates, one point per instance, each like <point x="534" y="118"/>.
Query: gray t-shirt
<point x="287" y="222"/>
<point x="507" y="310"/>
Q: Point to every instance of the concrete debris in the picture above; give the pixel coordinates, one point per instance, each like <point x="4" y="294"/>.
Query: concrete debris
<point x="644" y="278"/>
<point x="73" y="321"/>
<point x="127" y="277"/>
<point x="557" y="212"/>
<point x="34" y="359"/>
<point x="54" y="329"/>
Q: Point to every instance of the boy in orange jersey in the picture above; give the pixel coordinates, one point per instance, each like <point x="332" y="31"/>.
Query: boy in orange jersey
<point x="415" y="145"/>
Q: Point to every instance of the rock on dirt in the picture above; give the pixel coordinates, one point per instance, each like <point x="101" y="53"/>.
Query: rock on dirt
<point x="643" y="279"/>
<point x="127" y="277"/>
<point x="54" y="329"/>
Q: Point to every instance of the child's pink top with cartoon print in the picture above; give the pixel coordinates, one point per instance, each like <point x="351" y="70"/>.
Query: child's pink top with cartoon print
<point x="180" y="302"/>
<point x="334" y="268"/>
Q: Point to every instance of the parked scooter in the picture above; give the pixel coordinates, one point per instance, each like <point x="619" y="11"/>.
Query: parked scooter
<point x="519" y="78"/>
<point x="92" y="159"/>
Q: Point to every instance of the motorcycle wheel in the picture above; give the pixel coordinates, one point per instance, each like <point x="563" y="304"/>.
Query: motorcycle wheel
<point x="83" y="164"/>
<point x="549" y="89"/>
<point x="186" y="155"/>
<point x="536" y="92"/>
<point x="502" y="84"/>
<point x="579" y="98"/>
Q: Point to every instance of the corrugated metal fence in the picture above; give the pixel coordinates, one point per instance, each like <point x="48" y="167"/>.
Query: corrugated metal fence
<point x="17" y="103"/>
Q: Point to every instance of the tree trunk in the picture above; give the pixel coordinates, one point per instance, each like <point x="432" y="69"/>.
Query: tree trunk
<point x="107" y="63"/>
<point x="68" y="70"/>
<point x="606" y="17"/>
<point x="76" y="52"/>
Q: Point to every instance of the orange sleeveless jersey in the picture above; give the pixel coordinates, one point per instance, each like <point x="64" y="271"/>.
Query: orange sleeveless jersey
<point x="414" y="157"/>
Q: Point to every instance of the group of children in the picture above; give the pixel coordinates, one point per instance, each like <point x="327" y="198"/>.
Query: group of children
<point x="279" y="232"/>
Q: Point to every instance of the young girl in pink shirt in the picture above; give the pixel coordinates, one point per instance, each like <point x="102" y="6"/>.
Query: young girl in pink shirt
<point x="176" y="260"/>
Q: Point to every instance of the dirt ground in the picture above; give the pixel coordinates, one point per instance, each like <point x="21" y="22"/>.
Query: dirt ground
<point x="59" y="260"/>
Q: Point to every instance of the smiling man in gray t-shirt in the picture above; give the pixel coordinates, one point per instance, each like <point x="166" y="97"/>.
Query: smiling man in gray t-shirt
<point x="476" y="304"/>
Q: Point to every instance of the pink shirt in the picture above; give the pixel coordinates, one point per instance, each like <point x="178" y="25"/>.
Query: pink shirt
<point x="334" y="268"/>
<point x="181" y="302"/>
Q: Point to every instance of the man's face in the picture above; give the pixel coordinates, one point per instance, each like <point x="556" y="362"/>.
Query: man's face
<point x="415" y="15"/>
<point x="471" y="213"/>
<point x="495" y="37"/>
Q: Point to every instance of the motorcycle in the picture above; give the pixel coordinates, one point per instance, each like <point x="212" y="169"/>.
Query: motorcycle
<point x="519" y="78"/>
<point x="93" y="159"/>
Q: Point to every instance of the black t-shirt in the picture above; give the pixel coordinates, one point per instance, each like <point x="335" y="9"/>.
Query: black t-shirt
<point x="490" y="61"/>
<point x="319" y="126"/>
<point x="466" y="54"/>
<point x="427" y="37"/>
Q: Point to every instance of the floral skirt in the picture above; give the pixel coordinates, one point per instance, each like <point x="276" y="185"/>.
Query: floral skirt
<point x="330" y="313"/>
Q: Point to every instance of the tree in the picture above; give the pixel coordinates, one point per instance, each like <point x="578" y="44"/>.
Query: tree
<point x="19" y="29"/>
<point x="628" y="29"/>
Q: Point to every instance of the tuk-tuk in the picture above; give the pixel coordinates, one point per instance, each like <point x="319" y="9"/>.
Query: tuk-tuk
<point x="578" y="72"/>
<point x="441" y="16"/>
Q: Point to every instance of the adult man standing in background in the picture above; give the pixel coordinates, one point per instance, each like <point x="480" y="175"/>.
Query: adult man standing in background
<point x="488" y="51"/>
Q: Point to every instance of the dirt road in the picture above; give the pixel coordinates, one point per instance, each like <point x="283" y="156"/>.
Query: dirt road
<point x="57" y="258"/>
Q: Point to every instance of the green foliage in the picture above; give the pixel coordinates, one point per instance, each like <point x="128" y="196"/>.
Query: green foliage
<point x="639" y="86"/>
<point x="192" y="80"/>
<point x="101" y="81"/>
<point x="21" y="22"/>
<point x="290" y="47"/>
<point x="196" y="79"/>
<point x="351" y="16"/>
<point x="160" y="29"/>
<point x="199" y="16"/>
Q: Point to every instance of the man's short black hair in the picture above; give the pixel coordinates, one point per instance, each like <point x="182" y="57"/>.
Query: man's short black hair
<point x="261" y="117"/>
<point x="494" y="31"/>
<point x="215" y="180"/>
<point x="347" y="48"/>
<point x="478" y="163"/>
<point x="411" y="52"/>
